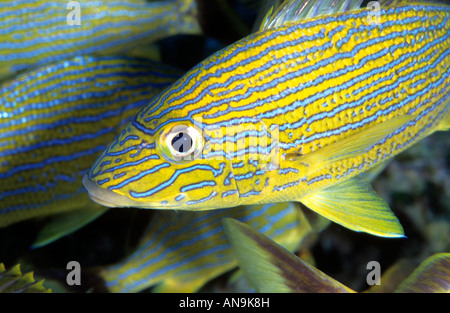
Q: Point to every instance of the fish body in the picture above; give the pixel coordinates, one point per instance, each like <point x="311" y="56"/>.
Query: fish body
<point x="181" y="251"/>
<point x="55" y="121"/>
<point x="33" y="33"/>
<point x="294" y="112"/>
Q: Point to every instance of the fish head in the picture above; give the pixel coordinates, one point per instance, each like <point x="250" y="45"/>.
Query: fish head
<point x="159" y="162"/>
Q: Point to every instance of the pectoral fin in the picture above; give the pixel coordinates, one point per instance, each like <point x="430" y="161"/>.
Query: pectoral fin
<point x="354" y="204"/>
<point x="271" y="268"/>
<point x="66" y="223"/>
<point x="350" y="147"/>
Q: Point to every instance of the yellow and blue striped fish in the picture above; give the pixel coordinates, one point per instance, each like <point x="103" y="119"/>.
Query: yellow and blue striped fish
<point x="294" y="112"/>
<point x="37" y="32"/>
<point x="181" y="251"/>
<point x="55" y="121"/>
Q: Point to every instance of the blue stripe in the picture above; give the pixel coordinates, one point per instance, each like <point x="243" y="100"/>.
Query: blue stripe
<point x="378" y="113"/>
<point x="211" y="195"/>
<point x="320" y="79"/>
<point x="180" y="197"/>
<point x="157" y="249"/>
<point x="124" y="165"/>
<point x="198" y="185"/>
<point x="80" y="193"/>
<point x="244" y="46"/>
<point x="292" y="75"/>
<point x="229" y="193"/>
<point x="250" y="193"/>
<point x="56" y="142"/>
<point x="319" y="178"/>
<point x="139" y="176"/>
<point x="168" y="182"/>
<point x="46" y="162"/>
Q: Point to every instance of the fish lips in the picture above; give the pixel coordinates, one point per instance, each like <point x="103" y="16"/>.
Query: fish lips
<point x="110" y="198"/>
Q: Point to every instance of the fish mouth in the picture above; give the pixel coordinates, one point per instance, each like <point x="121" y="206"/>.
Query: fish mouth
<point x="107" y="197"/>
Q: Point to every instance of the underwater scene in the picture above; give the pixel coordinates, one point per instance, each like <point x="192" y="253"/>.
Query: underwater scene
<point x="224" y="146"/>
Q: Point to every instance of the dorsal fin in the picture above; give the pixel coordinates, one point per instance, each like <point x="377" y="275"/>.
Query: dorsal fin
<point x="294" y="10"/>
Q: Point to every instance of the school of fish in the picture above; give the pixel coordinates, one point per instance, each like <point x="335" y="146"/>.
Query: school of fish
<point x="294" y="112"/>
<point x="322" y="94"/>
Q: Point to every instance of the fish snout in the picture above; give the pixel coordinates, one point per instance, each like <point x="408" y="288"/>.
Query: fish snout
<point x="107" y="197"/>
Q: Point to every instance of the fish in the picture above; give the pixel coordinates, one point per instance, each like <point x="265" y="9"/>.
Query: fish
<point x="12" y="280"/>
<point x="271" y="268"/>
<point x="297" y="111"/>
<point x="57" y="119"/>
<point x="432" y="275"/>
<point x="181" y="251"/>
<point x="34" y="33"/>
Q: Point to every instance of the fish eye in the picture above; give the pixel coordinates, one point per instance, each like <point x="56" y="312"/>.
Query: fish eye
<point x="180" y="143"/>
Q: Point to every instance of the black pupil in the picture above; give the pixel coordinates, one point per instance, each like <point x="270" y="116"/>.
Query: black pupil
<point x="182" y="142"/>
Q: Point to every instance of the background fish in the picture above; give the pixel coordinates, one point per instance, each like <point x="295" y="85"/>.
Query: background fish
<point x="181" y="251"/>
<point x="332" y="94"/>
<point x="13" y="281"/>
<point x="271" y="268"/>
<point x="54" y="122"/>
<point x="37" y="32"/>
<point x="416" y="184"/>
